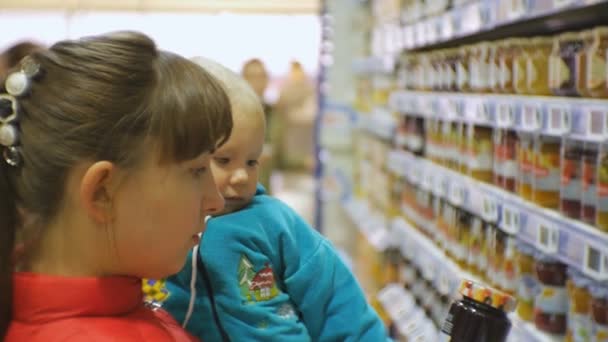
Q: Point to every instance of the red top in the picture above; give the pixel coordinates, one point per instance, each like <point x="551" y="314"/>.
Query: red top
<point x="52" y="308"/>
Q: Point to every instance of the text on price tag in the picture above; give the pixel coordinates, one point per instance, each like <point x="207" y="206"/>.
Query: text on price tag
<point x="595" y="262"/>
<point x="504" y="115"/>
<point x="597" y="122"/>
<point x="456" y="193"/>
<point x="547" y="238"/>
<point x="510" y="220"/>
<point x="531" y="117"/>
<point x="489" y="209"/>
<point x="560" y="119"/>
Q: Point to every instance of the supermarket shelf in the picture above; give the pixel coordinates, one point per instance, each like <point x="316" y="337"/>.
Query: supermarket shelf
<point x="380" y="122"/>
<point x="374" y="65"/>
<point x="577" y="244"/>
<point x="449" y="273"/>
<point x="583" y="119"/>
<point x="409" y="319"/>
<point x="371" y="224"/>
<point x="487" y="20"/>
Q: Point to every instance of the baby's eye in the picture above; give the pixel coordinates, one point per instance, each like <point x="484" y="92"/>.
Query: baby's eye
<point x="252" y="163"/>
<point x="222" y="161"/>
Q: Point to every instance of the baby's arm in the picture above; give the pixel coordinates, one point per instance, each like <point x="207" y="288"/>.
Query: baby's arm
<point x="327" y="294"/>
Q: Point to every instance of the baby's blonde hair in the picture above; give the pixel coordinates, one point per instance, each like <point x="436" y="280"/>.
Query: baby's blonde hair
<point x="240" y="93"/>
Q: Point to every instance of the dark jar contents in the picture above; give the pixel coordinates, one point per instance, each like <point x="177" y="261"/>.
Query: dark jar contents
<point x="589" y="197"/>
<point x="571" y="180"/>
<point x="564" y="67"/>
<point x="480" y="316"/>
<point x="551" y="302"/>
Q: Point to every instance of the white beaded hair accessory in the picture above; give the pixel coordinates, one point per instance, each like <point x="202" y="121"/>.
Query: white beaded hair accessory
<point x="17" y="85"/>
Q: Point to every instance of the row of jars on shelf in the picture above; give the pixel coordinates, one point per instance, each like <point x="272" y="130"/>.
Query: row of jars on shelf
<point x="566" y="175"/>
<point x="557" y="299"/>
<point x="570" y="64"/>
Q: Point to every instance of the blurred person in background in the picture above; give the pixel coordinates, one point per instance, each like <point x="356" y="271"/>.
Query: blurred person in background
<point x="255" y="73"/>
<point x="294" y="114"/>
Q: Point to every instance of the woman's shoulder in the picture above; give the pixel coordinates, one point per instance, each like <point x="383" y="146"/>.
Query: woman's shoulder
<point x="152" y="326"/>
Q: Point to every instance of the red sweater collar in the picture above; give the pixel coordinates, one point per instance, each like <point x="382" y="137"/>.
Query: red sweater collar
<point x="41" y="298"/>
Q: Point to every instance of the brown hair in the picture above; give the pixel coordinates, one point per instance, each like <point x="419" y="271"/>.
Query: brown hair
<point x="109" y="98"/>
<point x="15" y="53"/>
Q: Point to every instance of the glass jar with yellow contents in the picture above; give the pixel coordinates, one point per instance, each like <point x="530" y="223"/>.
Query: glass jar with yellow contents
<point x="526" y="284"/>
<point x="537" y="70"/>
<point x="546" y="171"/>
<point x="564" y="73"/>
<point x="597" y="85"/>
<point x="579" y="307"/>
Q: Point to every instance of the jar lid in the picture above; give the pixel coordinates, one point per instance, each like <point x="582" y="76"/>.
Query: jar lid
<point x="568" y="36"/>
<point x="601" y="30"/>
<point x="487" y="295"/>
<point x="541" y="40"/>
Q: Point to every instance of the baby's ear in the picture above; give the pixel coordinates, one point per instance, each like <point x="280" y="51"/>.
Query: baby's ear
<point x="95" y="191"/>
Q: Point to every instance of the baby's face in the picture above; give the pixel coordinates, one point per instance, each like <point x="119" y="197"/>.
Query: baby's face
<point x="235" y="164"/>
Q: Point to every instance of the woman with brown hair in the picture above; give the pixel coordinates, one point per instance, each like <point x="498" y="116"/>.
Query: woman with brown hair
<point x="105" y="144"/>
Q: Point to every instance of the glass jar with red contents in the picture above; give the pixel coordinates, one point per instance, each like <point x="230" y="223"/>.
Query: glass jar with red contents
<point x="479" y="316"/>
<point x="551" y="302"/>
<point x="571" y="179"/>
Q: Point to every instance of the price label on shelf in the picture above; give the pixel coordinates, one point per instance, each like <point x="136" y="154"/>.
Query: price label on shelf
<point x="559" y="4"/>
<point x="482" y="112"/>
<point x="595" y="262"/>
<point x="456" y="193"/>
<point x="504" y="114"/>
<point x="517" y="9"/>
<point x="559" y="120"/>
<point x="427" y="181"/>
<point x="443" y="283"/>
<point x="489" y="209"/>
<point x="597" y="123"/>
<point x="447" y="26"/>
<point x="409" y="36"/>
<point x="472" y="18"/>
<point x="510" y="219"/>
<point x="547" y="238"/>
<point x="432" y="33"/>
<point x="531" y="117"/>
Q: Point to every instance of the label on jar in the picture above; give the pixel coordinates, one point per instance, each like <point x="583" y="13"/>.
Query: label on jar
<point x="581" y="326"/>
<point x="600" y="332"/>
<point x="589" y="186"/>
<point x="596" y="71"/>
<point x="552" y="300"/>
<point x="547" y="172"/>
<point x="526" y="288"/>
<point x="505" y="74"/>
<point x="481" y="156"/>
<point x="571" y="177"/>
<point x="531" y="72"/>
<point x="493" y="74"/>
<point x="445" y="335"/>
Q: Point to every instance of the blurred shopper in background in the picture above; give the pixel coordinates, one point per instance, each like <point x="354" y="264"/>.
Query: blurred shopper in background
<point x="294" y="114"/>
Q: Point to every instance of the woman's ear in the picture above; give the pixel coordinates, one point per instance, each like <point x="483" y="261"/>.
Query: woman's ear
<point x="96" y="191"/>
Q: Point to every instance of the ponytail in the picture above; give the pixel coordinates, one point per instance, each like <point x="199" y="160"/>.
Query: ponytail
<point x="8" y="226"/>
